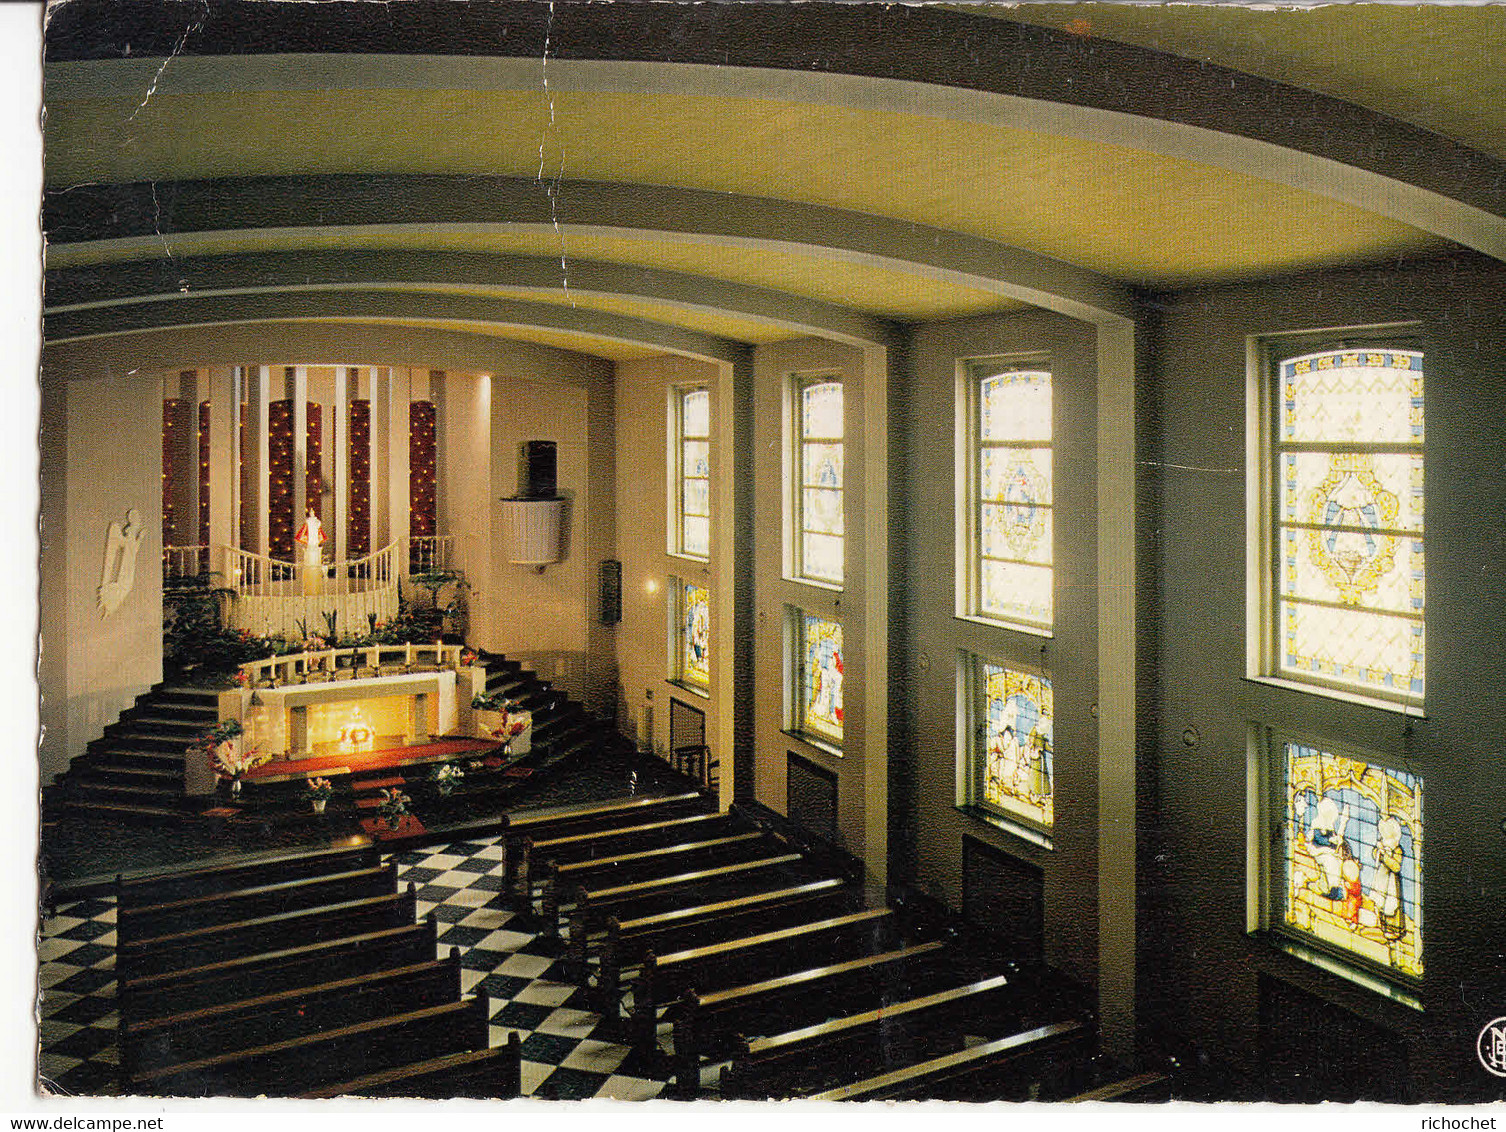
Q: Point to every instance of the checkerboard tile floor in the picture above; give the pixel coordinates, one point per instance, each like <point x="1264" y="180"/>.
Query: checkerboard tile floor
<point x="567" y="1053"/>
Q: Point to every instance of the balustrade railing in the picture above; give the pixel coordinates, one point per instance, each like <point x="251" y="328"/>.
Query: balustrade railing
<point x="182" y="563"/>
<point x="429" y="554"/>
<point x="323" y="665"/>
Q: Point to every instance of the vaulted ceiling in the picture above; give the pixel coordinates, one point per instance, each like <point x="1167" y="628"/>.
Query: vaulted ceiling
<point x="625" y="178"/>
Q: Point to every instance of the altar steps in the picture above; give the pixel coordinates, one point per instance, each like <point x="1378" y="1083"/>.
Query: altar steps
<point x="134" y="772"/>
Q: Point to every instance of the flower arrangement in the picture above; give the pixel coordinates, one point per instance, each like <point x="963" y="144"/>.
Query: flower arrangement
<point x="393" y="807"/>
<point x="483" y="701"/>
<point x="469" y="657"/>
<point x="446" y="776"/>
<point x="318" y="790"/>
<point x="242" y="677"/>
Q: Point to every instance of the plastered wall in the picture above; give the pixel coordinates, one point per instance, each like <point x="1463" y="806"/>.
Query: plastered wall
<point x="1198" y="967"/>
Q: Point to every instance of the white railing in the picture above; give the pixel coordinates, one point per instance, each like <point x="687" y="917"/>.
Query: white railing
<point x="430" y="553"/>
<point x="180" y="562"/>
<point x="354" y="663"/>
<point x="271" y="597"/>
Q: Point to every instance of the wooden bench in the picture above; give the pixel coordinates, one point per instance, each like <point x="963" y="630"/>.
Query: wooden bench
<point x="821" y="1056"/>
<point x="593" y="907"/>
<point x="302" y="1064"/>
<point x="159" y="888"/>
<point x="195" y="988"/>
<point x="1142" y="1088"/>
<point x="483" y="1074"/>
<point x="628" y="866"/>
<point x="1016" y="1068"/>
<point x="199" y="946"/>
<point x="628" y="941"/>
<point x="290" y="1013"/>
<point x="565" y="821"/>
<point x="200" y="911"/>
<point x="714" y="1024"/>
<point x="664" y="978"/>
<point x="636" y="835"/>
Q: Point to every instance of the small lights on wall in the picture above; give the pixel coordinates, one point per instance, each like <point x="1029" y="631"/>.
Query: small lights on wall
<point x="358" y="529"/>
<point x="280" y="480"/>
<point x="313" y="480"/>
<point x="422" y="472"/>
<point x="204" y="484"/>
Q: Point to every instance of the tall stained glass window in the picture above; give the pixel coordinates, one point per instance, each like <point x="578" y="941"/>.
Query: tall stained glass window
<point x="690" y="528"/>
<point x="1011" y="564"/>
<point x="818" y="674"/>
<point x="1013" y="769"/>
<point x="818" y="526"/>
<point x="1351" y="868"/>
<point x="1348" y="487"/>
<point x="693" y="645"/>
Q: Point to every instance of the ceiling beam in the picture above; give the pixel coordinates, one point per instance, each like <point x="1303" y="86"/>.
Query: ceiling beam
<point x="226" y="310"/>
<point x="162" y="279"/>
<point x="911" y="59"/>
<point x="91" y="223"/>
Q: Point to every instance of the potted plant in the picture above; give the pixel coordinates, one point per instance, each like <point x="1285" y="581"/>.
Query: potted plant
<point x="393" y="807"/>
<point x="446" y="776"/>
<point x="226" y="759"/>
<point x="318" y="792"/>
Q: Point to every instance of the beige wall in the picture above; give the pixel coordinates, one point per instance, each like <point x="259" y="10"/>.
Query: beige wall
<point x="95" y="666"/>
<point x="936" y="637"/>
<point x="1198" y="965"/>
<point x="644" y="392"/>
<point x="549" y="618"/>
<point x="862" y="765"/>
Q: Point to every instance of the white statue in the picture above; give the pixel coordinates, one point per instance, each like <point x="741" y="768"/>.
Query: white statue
<point x="118" y="574"/>
<point x="312" y="536"/>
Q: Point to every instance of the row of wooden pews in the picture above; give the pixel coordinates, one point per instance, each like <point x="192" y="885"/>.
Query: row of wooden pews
<point x="303" y="974"/>
<point x="752" y="945"/>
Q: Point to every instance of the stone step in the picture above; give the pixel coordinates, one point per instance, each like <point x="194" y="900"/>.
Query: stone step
<point x="164" y="725"/>
<point x="133" y="775"/>
<point x="87" y="788"/>
<point x="128" y="811"/>
<point x="113" y="756"/>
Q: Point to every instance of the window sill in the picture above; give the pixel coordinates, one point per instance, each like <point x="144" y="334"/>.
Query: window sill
<point x="703" y="693"/>
<point x="1357" y="698"/>
<point x="825" y="746"/>
<point x="1334" y="965"/>
<point x="832" y="587"/>
<point x="1012" y="626"/>
<point x="682" y="557"/>
<point x="1008" y="825"/>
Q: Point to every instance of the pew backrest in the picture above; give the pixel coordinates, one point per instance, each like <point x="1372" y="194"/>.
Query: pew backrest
<point x="157" y="888"/>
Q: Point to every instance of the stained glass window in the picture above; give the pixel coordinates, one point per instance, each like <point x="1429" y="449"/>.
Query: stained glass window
<point x="1012" y="579"/>
<point x="1348" y="484"/>
<point x="694" y="632"/>
<point x="818" y="477"/>
<point x="1352" y="856"/>
<point x="1014" y="767"/>
<point x="691" y="536"/>
<point x="819" y="675"/>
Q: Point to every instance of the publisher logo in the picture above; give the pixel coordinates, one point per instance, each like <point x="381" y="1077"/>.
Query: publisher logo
<point x="1491" y="1047"/>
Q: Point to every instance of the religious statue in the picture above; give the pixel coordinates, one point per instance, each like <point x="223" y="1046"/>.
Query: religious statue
<point x="312" y="536"/>
<point x="119" y="572"/>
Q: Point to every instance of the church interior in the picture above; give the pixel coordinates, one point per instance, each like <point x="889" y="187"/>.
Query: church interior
<point x="959" y="541"/>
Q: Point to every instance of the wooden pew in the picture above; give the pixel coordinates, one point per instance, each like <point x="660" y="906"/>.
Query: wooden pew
<point x="564" y="821"/>
<point x="627" y="866"/>
<point x="297" y="1065"/>
<point x="150" y="920"/>
<point x="628" y="941"/>
<point x="199" y="946"/>
<point x="593" y="907"/>
<point x="1012" y="1068"/>
<point x="195" y="988"/>
<point x="664" y="978"/>
<point x="289" y="1013"/>
<point x="568" y="848"/>
<point x="1142" y="1088"/>
<point x="822" y="1056"/>
<point x="159" y="888"/>
<point x="715" y="1023"/>
<point x="483" y="1074"/>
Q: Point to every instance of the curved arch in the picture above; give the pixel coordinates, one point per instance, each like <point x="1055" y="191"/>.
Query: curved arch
<point x="139" y="220"/>
<point x="80" y="324"/>
<point x="862" y="56"/>
<point x="138" y="281"/>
